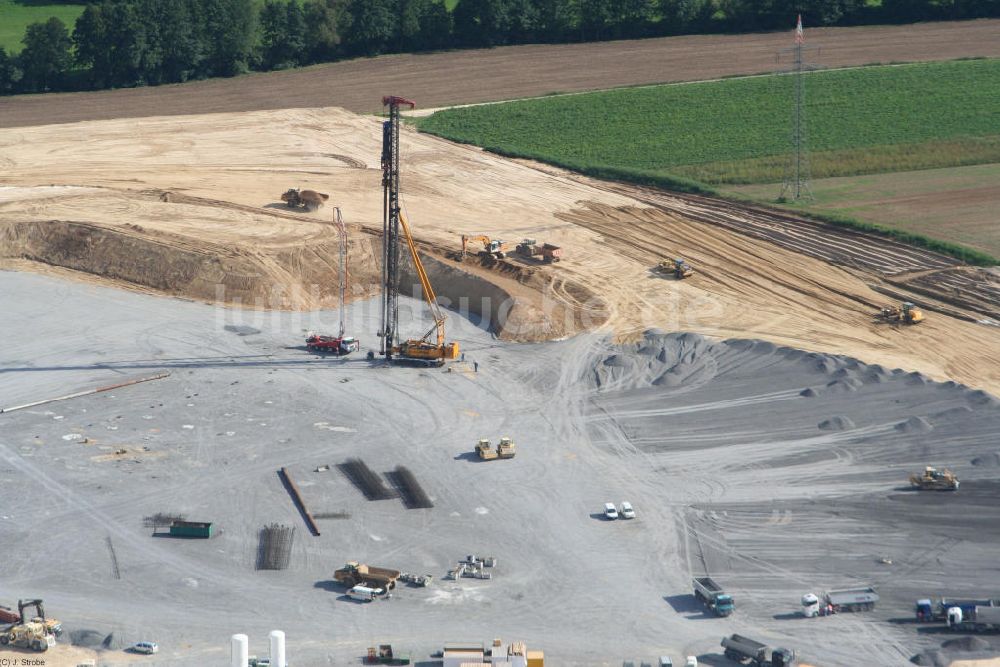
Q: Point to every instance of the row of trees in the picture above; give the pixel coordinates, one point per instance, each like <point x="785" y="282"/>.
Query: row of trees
<point x="119" y="43"/>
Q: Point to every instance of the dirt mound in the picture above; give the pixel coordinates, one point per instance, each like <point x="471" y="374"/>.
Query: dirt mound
<point x="844" y="385"/>
<point x="660" y="359"/>
<point x="966" y="644"/>
<point x="988" y="461"/>
<point x="838" y="423"/>
<point x="914" y="425"/>
<point x="88" y="638"/>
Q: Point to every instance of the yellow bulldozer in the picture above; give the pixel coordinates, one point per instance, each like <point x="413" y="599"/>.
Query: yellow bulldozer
<point x="933" y="479"/>
<point x="907" y="313"/>
<point x="678" y="267"/>
<point x="31" y="635"/>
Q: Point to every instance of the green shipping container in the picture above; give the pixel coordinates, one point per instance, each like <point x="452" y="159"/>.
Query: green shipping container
<point x="191" y="529"/>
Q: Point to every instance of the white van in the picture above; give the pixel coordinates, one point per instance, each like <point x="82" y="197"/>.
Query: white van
<point x="364" y="593"/>
<point x="626" y="510"/>
<point x="691" y="661"/>
<point x="609" y="511"/>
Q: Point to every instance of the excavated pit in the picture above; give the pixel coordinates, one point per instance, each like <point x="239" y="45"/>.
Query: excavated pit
<point x="274" y="271"/>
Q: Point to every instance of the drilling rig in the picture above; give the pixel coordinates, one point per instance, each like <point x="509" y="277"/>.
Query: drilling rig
<point x="420" y="351"/>
<point x="339" y="344"/>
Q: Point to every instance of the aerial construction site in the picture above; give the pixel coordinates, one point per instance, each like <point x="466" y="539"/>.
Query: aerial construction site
<point x="411" y="402"/>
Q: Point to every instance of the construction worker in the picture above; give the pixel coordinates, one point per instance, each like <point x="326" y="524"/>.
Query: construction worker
<point x="475" y="364"/>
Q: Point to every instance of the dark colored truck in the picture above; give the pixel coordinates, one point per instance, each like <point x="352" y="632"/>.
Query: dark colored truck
<point x="928" y="610"/>
<point x="713" y="596"/>
<point x="748" y="651"/>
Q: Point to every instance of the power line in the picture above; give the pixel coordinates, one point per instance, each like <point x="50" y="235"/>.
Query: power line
<point x="796" y="183"/>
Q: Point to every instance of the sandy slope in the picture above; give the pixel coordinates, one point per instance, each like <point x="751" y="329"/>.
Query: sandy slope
<point x="222" y="223"/>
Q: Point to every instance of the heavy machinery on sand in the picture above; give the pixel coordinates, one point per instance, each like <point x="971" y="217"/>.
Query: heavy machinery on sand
<point x="307" y="199"/>
<point x="31" y="635"/>
<point x="418" y="351"/>
<point x="494" y="248"/>
<point x="678" y="268"/>
<point x="933" y="479"/>
<point x="906" y="313"/>
<point x="546" y="252"/>
<point x="357" y="574"/>
<point x="339" y="344"/>
<point x="506" y="449"/>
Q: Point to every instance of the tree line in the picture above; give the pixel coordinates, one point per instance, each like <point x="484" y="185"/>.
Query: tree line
<point x="120" y="43"/>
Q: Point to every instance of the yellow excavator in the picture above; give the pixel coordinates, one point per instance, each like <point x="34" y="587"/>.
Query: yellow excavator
<point x="907" y="313"/>
<point x="422" y="349"/>
<point x="491" y="247"/>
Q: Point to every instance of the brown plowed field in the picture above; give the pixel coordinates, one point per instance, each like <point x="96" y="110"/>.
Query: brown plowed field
<point x="96" y="207"/>
<point x="463" y="77"/>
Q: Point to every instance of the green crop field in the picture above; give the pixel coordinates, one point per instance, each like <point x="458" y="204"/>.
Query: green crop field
<point x="865" y="120"/>
<point x="725" y="136"/>
<point x="16" y="15"/>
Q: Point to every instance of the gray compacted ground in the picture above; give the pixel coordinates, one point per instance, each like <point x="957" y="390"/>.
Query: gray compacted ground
<point x="776" y="471"/>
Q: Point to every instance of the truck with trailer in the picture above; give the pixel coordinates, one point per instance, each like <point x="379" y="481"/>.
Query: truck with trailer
<point x="546" y="252"/>
<point x="336" y="345"/>
<point x="750" y="652"/>
<point x="976" y="619"/>
<point x="928" y="610"/>
<point x="713" y="596"/>
<point x="355" y="573"/>
<point x="852" y="599"/>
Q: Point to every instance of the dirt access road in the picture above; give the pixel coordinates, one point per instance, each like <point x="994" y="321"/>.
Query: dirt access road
<point x="464" y="77"/>
<point x="190" y="206"/>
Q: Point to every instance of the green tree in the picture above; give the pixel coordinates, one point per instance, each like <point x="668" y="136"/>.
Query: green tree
<point x="631" y="18"/>
<point x="595" y="18"/>
<point x="129" y="55"/>
<point x="435" y="25"/>
<point x="482" y="22"/>
<point x="230" y="32"/>
<point x="178" y="42"/>
<point x="272" y="33"/>
<point x="371" y="26"/>
<point x="557" y="18"/>
<point x="525" y="21"/>
<point x="10" y="75"/>
<point x="46" y="56"/>
<point x="322" y="37"/>
<point x="90" y="38"/>
<point x="684" y="16"/>
<point x="295" y="33"/>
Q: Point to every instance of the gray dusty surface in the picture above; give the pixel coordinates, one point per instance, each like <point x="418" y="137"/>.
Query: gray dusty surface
<point x="776" y="471"/>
